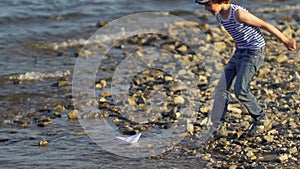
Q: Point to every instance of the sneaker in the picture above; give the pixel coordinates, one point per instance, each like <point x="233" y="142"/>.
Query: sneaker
<point x="260" y="126"/>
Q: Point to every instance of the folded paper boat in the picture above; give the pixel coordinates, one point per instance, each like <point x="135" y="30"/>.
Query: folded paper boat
<point x="131" y="139"/>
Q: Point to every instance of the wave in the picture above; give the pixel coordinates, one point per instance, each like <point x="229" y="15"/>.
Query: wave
<point x="5" y="20"/>
<point x="29" y="76"/>
<point x="60" y="45"/>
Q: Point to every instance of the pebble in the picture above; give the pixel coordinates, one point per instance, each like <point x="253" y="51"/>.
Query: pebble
<point x="233" y="166"/>
<point x="268" y="138"/>
<point x="179" y="100"/>
<point x="57" y="114"/>
<point x="43" y="143"/>
<point x="106" y="94"/>
<point x="183" y="49"/>
<point x="149" y="146"/>
<point x="101" y="23"/>
<point x="234" y="109"/>
<point x="44" y="124"/>
<point x="220" y="46"/>
<point x="59" y="108"/>
<point x="186" y="23"/>
<point x="263" y="71"/>
<point x="102" y="84"/>
<point x="79" y="133"/>
<point x="282" y="58"/>
<point x="73" y="115"/>
<point x="62" y="83"/>
<point x="251" y="155"/>
<point x="283" y="158"/>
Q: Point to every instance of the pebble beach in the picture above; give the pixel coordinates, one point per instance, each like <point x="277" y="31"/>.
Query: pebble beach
<point x="41" y="122"/>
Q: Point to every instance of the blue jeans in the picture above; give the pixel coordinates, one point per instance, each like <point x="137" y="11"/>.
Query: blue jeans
<point x="242" y="66"/>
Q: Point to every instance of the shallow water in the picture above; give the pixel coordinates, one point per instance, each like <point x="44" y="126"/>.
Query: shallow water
<point x="26" y="25"/>
<point x="20" y="150"/>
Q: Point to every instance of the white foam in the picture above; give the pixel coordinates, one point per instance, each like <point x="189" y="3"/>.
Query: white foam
<point x="39" y="75"/>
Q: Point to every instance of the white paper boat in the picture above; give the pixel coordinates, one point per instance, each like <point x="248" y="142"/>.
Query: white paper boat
<point x="131" y="139"/>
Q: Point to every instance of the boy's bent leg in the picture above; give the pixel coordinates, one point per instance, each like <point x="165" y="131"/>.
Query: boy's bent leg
<point x="245" y="72"/>
<point x="261" y="122"/>
<point x="249" y="101"/>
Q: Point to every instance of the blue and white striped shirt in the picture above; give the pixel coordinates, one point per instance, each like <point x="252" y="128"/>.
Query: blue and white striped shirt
<point x="245" y="36"/>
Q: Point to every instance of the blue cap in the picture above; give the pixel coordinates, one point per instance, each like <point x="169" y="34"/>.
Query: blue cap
<point x="202" y="2"/>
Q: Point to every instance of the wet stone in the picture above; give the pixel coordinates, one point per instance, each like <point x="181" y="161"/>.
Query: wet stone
<point x="73" y="115"/>
<point x="43" y="143"/>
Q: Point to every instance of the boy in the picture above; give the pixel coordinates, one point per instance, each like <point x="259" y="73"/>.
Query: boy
<point x="249" y="53"/>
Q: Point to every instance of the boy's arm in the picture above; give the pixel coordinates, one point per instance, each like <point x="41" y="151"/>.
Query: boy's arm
<point x="246" y="17"/>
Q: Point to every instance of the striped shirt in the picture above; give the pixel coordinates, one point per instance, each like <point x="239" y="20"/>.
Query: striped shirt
<point x="245" y="36"/>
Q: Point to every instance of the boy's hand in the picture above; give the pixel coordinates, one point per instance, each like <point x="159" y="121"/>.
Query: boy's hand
<point x="290" y="45"/>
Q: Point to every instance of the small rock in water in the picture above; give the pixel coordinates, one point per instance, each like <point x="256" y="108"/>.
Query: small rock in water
<point x="79" y="133"/>
<point x="182" y="49"/>
<point x="73" y="115"/>
<point x="22" y="123"/>
<point x="106" y="94"/>
<point x="43" y="143"/>
<point x="57" y="114"/>
<point x="59" y="108"/>
<point x="101" y="23"/>
<point x="102" y="84"/>
<point x="149" y="146"/>
<point x="43" y="124"/>
<point x="63" y="83"/>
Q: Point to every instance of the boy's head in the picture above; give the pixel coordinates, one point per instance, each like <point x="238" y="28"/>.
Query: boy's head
<point x="213" y="6"/>
<point x="204" y="2"/>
